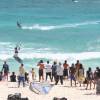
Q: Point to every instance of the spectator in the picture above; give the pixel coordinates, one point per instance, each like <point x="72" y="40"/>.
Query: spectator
<point x="54" y="68"/>
<point x="41" y="70"/>
<point x="5" y="69"/>
<point x="72" y="74"/>
<point x="13" y="77"/>
<point x="97" y="74"/>
<point x="65" y="73"/>
<point x="89" y="77"/>
<point x="59" y="74"/>
<point x="33" y="74"/>
<point x="48" y="70"/>
<point x="81" y="77"/>
<point x="77" y="66"/>
<point x="21" y="75"/>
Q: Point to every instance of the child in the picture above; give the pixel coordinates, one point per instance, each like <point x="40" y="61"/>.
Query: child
<point x="33" y="74"/>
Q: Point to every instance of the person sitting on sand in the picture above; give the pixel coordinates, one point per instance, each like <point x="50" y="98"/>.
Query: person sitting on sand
<point x="5" y="70"/>
<point x="41" y="70"/>
<point x="13" y="77"/>
<point x="72" y="74"/>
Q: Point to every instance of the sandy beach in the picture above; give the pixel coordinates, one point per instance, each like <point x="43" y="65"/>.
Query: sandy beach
<point x="71" y="93"/>
<point x="55" y="38"/>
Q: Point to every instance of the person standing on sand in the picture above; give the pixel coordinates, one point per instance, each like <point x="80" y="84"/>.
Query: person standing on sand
<point x="54" y="68"/>
<point x="41" y="70"/>
<point x="21" y="75"/>
<point x="72" y="74"/>
<point x="81" y="77"/>
<point x="33" y="74"/>
<point x="77" y="66"/>
<point x="97" y="74"/>
<point x="60" y="70"/>
<point x="65" y="73"/>
<point x="5" y="70"/>
<point x="90" y="78"/>
<point x="48" y="70"/>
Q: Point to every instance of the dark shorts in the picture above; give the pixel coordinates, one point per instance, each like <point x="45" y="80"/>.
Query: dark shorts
<point x="65" y="72"/>
<point x="40" y="72"/>
<point x="48" y="73"/>
<point x="72" y="77"/>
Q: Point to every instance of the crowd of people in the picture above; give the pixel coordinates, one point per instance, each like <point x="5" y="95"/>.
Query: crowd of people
<point x="75" y="73"/>
<point x="56" y="71"/>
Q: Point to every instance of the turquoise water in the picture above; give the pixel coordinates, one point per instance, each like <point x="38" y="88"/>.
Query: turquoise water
<point x="51" y="29"/>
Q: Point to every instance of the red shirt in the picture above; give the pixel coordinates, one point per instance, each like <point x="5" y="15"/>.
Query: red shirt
<point x="41" y="66"/>
<point x="65" y="66"/>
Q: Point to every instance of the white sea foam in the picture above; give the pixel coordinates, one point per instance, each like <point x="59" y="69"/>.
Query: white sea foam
<point x="51" y="27"/>
<point x="53" y="56"/>
<point x="59" y="56"/>
<point x="6" y="52"/>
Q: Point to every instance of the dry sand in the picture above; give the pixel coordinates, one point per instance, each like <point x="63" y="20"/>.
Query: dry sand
<point x="72" y="93"/>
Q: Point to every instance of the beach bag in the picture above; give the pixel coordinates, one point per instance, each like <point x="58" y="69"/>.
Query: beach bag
<point x="16" y="96"/>
<point x="11" y="97"/>
<point x="55" y="98"/>
<point x="24" y="99"/>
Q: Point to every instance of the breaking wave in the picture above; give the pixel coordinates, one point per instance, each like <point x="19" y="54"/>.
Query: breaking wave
<point x="52" y="27"/>
<point x="53" y="56"/>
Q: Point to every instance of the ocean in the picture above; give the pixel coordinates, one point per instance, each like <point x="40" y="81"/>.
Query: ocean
<point x="51" y="30"/>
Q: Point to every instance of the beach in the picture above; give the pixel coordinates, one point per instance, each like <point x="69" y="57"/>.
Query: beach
<point x="51" y="30"/>
<point x="70" y="30"/>
<point x="71" y="93"/>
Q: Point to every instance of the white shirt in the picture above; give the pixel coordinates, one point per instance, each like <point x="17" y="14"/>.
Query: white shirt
<point x="60" y="70"/>
<point x="48" y="68"/>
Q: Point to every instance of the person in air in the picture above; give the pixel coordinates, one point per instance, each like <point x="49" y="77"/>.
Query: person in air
<point x="16" y="49"/>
